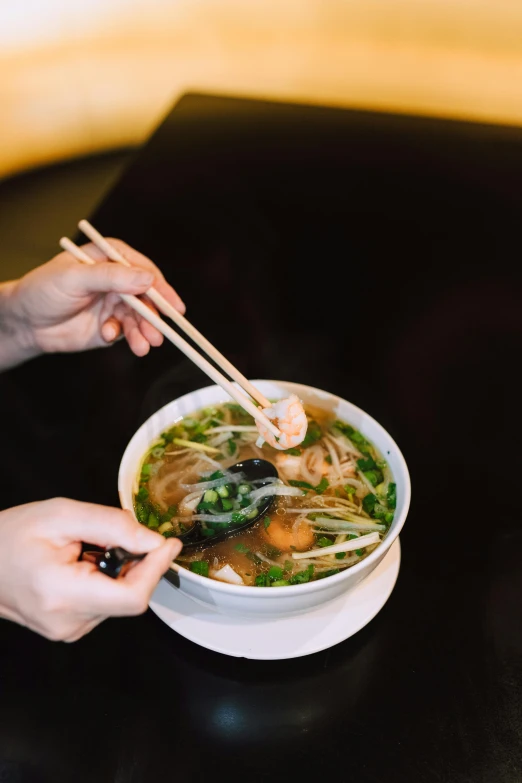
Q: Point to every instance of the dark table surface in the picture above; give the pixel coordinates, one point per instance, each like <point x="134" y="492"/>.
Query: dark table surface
<point x="374" y="256"/>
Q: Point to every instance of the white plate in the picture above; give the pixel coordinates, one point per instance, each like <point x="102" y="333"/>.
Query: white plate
<point x="288" y="637"/>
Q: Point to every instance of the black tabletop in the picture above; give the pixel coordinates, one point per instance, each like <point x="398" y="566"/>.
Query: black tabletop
<point x="373" y="256"/>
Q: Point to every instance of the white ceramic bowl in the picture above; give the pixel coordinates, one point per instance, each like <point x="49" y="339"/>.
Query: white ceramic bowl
<point x="259" y="602"/>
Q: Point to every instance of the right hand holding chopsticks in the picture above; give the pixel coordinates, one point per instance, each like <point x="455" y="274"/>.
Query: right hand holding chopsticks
<point x="63" y="306"/>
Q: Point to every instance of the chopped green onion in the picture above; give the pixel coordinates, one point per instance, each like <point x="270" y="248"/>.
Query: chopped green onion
<point x="205" y="505"/>
<point x="223" y="491"/>
<point x="340" y="555"/>
<point x="373" y="476"/>
<point x="302" y="576"/>
<point x="388" y="518"/>
<point x="293" y="452"/>
<point x="227" y="504"/>
<point x="266" y="522"/>
<point x="208" y="531"/>
<point x="313" y="434"/>
<point x="145" y="471"/>
<point x="216" y="475"/>
<point x="199" y="567"/>
<point x="301" y="484"/>
<point x="232" y="447"/>
<point x="244" y="489"/>
<point x="351" y="433"/>
<point x="210" y="496"/>
<point x="143" y="493"/>
<point x="368" y="503"/>
<point x="241" y="548"/>
<point x="153" y="520"/>
<point x="157" y="452"/>
<point x="391" y="495"/>
<point x="275" y="572"/>
<point x="366" y="463"/>
<point x="349" y="489"/>
<point x="323" y="541"/>
<point x="331" y="572"/>
<point x="322" y="486"/>
<point x="328" y="459"/>
<point x="262" y="581"/>
<point x="237" y="517"/>
<point x="288" y="566"/>
<point x="359" y="552"/>
<point x="280" y="583"/>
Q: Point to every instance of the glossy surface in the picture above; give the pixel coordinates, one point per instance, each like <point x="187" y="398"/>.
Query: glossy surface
<point x="399" y="240"/>
<point x="253" y="469"/>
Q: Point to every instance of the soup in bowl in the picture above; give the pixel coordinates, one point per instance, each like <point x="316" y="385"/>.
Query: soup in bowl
<point x="339" y="502"/>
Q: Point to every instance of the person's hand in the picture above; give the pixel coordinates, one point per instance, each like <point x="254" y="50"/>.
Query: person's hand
<point x="64" y="305"/>
<point x="43" y="585"/>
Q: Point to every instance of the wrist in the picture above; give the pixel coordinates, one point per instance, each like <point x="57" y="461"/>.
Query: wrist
<point x="16" y="340"/>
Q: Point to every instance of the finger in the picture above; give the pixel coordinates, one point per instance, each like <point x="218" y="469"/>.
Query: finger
<point x="137" y="342"/>
<point x="111" y="330"/>
<point x="151" y="334"/>
<point x="105" y="277"/>
<point x="67" y="521"/>
<point x="139" y="260"/>
<point x="150" y="570"/>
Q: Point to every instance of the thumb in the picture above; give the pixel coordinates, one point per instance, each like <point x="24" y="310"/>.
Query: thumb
<point x="69" y="521"/>
<point x="107" y="276"/>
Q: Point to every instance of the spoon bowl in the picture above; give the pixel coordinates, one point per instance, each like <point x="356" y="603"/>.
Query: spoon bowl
<point x="255" y="470"/>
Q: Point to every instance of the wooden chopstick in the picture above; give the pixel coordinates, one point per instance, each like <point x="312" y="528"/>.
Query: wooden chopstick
<point x="167" y="309"/>
<point x="141" y="308"/>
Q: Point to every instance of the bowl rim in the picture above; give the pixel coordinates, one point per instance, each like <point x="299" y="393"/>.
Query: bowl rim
<point x="289" y="590"/>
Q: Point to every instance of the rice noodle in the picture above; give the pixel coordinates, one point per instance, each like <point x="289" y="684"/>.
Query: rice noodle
<point x="335" y="459"/>
<point x="177" y="453"/>
<point x="255" y="496"/>
<point x="312" y="464"/>
<point x="265" y="559"/>
<point x="188" y="503"/>
<point x="331" y="525"/>
<point x="210" y="461"/>
<point x="232" y="428"/>
<point x="365" y="481"/>
<point x="275" y="488"/>
<point x="219" y="439"/>
<point x="196" y="446"/>
<point x="227" y="478"/>
<point x="345" y="444"/>
<point x="295" y="530"/>
<point x="358" y="543"/>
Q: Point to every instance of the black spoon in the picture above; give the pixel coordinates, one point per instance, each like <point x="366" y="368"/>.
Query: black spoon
<point x="254" y="470"/>
<point x="113" y="562"/>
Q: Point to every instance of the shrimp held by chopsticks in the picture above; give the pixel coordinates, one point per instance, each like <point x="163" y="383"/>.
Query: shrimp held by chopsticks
<point x="290" y="418"/>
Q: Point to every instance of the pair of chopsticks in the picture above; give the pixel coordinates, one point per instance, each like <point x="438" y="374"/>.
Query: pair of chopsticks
<point x="167" y="309"/>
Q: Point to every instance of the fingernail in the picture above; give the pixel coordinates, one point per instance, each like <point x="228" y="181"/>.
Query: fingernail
<point x="110" y="332"/>
<point x="143" y="278"/>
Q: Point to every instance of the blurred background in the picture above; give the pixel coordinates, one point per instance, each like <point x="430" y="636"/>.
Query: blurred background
<point x="82" y="84"/>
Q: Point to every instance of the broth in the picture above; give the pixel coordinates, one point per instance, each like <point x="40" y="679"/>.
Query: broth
<point x="343" y="497"/>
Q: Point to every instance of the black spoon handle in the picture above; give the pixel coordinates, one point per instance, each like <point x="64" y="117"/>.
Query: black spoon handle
<point x="112" y="562"/>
